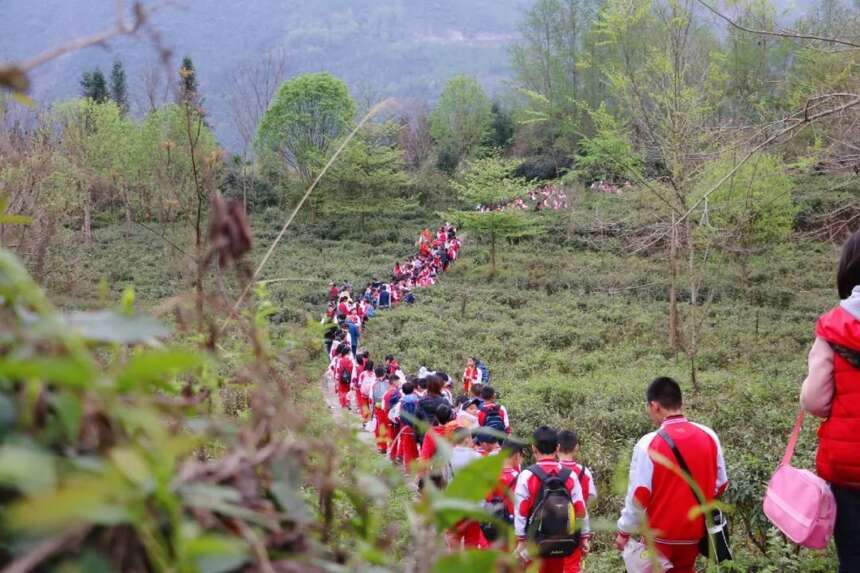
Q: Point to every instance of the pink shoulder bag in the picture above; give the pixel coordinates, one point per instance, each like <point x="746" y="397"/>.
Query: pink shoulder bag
<point x="798" y="502"/>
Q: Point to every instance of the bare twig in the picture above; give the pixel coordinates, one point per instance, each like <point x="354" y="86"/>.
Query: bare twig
<point x="121" y="28"/>
<point x="778" y="33"/>
<point x="806" y="120"/>
<point x="32" y="559"/>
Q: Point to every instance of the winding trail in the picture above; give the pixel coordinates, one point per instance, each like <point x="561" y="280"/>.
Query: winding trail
<point x="349" y="419"/>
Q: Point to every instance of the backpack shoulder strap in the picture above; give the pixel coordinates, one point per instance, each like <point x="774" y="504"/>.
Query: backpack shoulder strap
<point x="681" y="462"/>
<point x="581" y="473"/>
<point x="538" y="471"/>
<point x="564" y="475"/>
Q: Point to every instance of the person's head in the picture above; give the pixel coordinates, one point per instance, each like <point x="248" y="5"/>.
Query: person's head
<point x="445" y="378"/>
<point x="484" y="437"/>
<point x="568" y="442"/>
<point x="379" y="372"/>
<point x="476" y="389"/>
<point x="470" y="362"/>
<point x="488" y="393"/>
<point x="389" y="359"/>
<point x="664" y="399"/>
<point x="407" y="388"/>
<point x="848" y="273"/>
<point x="384" y="287"/>
<point x="513" y="449"/>
<point x="434" y="385"/>
<point x="545" y="441"/>
<point x="394" y="379"/>
<point x="369" y="366"/>
<point x="421" y="383"/>
<point x="344" y="350"/>
<point x="444" y="414"/>
<point x="472" y="406"/>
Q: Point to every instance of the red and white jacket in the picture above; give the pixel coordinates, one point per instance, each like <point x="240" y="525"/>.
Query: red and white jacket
<point x="663" y="495"/>
<point x="505" y="488"/>
<point x="528" y="487"/>
<point x="589" y="487"/>
<point x="345" y="363"/>
<point x="470" y="376"/>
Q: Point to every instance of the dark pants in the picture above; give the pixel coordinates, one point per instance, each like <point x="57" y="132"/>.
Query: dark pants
<point x="847" y="532"/>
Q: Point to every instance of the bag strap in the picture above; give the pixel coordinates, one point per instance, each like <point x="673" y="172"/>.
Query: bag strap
<point x="681" y="462"/>
<point x="538" y="471"/>
<point x="564" y="475"/>
<point x="792" y="441"/>
<point x="851" y="356"/>
<point x="581" y="473"/>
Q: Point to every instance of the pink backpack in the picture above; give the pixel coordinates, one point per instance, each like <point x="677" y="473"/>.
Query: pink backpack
<point x="798" y="502"/>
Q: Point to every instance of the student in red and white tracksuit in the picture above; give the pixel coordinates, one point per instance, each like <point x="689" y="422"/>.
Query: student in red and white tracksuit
<point x="345" y="364"/>
<point x="526" y="496"/>
<point x="568" y="449"/>
<point x="665" y="498"/>
<point x="508" y="480"/>
<point x="377" y="394"/>
<point x="470" y="376"/>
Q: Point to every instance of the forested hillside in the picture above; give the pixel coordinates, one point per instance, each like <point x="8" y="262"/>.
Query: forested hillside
<point x="664" y="189"/>
<point x="380" y="47"/>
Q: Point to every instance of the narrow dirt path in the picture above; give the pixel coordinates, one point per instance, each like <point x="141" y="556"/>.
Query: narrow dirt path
<point x="346" y="419"/>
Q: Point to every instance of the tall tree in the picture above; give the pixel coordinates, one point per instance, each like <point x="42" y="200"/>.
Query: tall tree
<point x="118" y="87"/>
<point x="307" y="115"/>
<point x="187" y="80"/>
<point x="94" y="86"/>
<point x="547" y="62"/>
<point x="487" y="188"/>
<point x="461" y="121"/>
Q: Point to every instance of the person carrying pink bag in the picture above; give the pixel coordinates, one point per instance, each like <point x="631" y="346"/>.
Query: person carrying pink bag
<point x="832" y="391"/>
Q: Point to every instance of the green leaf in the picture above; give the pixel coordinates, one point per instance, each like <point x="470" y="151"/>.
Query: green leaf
<point x="28" y="469"/>
<point x="473" y="561"/>
<point x="132" y="465"/>
<point x="112" y="327"/>
<point x="80" y="499"/>
<point x="7" y="219"/>
<point x="69" y="410"/>
<point x="152" y="368"/>
<point x="215" y="553"/>
<point x="475" y="481"/>
<point x="63" y="371"/>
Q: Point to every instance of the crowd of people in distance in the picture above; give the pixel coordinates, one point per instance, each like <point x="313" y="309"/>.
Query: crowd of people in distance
<point x="546" y="503"/>
<point x="547" y="198"/>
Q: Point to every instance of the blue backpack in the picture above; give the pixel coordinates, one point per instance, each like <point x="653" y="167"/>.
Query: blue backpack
<point x="384" y="299"/>
<point x="408" y="405"/>
<point x="484" y="370"/>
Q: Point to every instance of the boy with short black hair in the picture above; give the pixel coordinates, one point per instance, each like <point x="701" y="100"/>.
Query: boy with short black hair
<point x="568" y="449"/>
<point x="492" y="415"/>
<point x="540" y="487"/>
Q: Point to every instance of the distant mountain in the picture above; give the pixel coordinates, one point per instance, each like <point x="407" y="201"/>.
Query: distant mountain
<point x="406" y="48"/>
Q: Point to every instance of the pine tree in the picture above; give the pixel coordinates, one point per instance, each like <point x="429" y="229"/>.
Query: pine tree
<point x="118" y="88"/>
<point x="188" y="80"/>
<point x="94" y="86"/>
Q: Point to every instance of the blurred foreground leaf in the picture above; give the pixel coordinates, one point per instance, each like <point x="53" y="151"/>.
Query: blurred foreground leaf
<point x="152" y="368"/>
<point x="112" y="327"/>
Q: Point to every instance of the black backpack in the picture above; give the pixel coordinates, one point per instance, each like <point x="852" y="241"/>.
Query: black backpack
<point x="549" y="525"/>
<point x="498" y="510"/>
<point x="345" y="377"/>
<point x="494" y="418"/>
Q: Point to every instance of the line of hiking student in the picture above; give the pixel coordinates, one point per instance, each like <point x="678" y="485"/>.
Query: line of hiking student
<point x="546" y="502"/>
